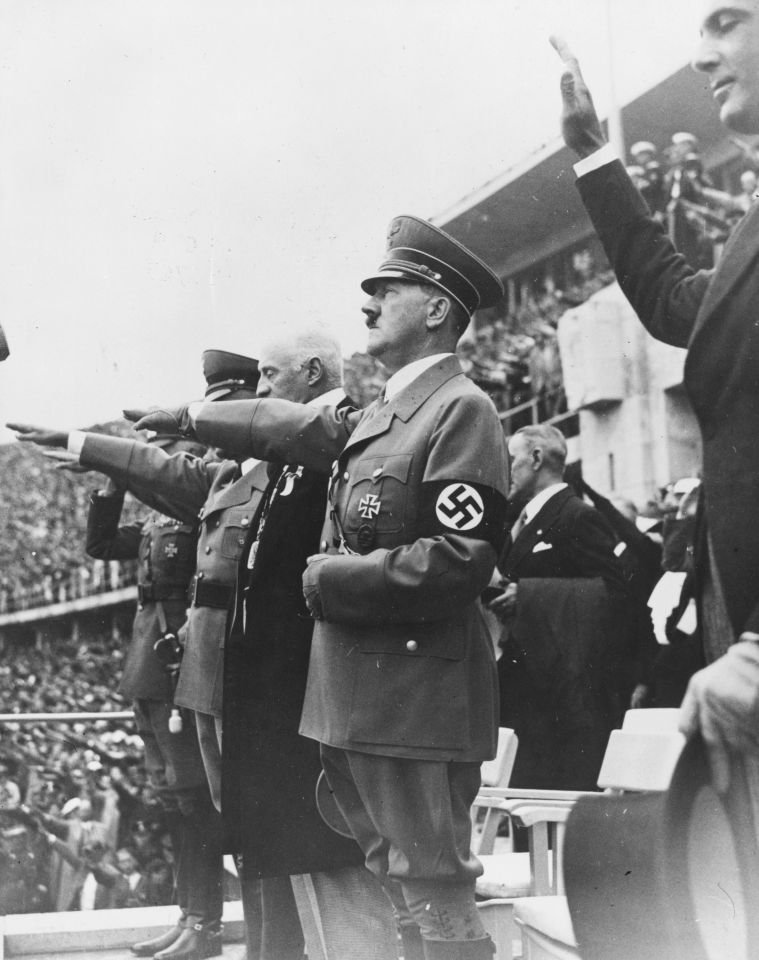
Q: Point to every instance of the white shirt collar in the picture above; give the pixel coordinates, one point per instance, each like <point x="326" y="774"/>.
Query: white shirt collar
<point x="329" y="399"/>
<point x="247" y="465"/>
<point x="541" y="499"/>
<point x="403" y="377"/>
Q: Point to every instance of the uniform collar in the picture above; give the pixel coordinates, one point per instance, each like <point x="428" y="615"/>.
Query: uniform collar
<point x="403" y="377"/>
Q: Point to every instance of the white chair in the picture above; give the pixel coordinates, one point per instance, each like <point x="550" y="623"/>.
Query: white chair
<point x="635" y="759"/>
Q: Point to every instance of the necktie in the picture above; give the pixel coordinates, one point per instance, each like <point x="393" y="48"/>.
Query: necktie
<point x="519" y="525"/>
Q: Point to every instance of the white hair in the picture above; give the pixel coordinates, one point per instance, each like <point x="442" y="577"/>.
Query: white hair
<point x="307" y="339"/>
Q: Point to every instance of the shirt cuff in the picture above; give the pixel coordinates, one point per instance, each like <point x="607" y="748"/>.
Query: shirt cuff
<point x="602" y="156"/>
<point x="76" y="441"/>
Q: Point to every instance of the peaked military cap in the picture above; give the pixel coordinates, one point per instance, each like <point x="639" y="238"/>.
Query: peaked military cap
<point x="419" y="251"/>
<point x="226" y="373"/>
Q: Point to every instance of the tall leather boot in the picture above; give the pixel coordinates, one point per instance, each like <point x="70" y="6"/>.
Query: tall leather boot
<point x="201" y="865"/>
<point x="149" y="948"/>
<point x="482" y="949"/>
<point x="197" y="941"/>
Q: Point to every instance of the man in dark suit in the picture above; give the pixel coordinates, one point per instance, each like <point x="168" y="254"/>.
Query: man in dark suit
<point x="269" y="771"/>
<point x="710" y="312"/>
<point x="402" y="688"/>
<point x="563" y="605"/>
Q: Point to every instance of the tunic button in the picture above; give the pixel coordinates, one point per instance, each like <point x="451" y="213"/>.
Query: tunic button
<point x="244" y="522"/>
<point x="323" y="546"/>
<point x="208" y="550"/>
<point x="412" y="646"/>
<point x="346" y="476"/>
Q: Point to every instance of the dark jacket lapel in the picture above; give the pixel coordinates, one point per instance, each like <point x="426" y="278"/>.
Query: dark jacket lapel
<point x="535" y="530"/>
<point x="741" y="249"/>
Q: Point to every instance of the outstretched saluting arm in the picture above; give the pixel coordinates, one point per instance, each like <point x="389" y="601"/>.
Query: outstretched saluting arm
<point x="663" y="289"/>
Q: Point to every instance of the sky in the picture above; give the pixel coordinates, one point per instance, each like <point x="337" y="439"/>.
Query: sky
<point x="177" y="175"/>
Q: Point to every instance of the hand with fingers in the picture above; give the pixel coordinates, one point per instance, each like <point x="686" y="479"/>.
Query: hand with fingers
<point x="579" y="121"/>
<point x="41" y="436"/>
<point x="65" y="460"/>
<point x="163" y="420"/>
<point x="722" y="704"/>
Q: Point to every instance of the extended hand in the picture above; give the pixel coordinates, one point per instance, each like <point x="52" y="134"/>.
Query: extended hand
<point x="579" y="121"/>
<point x="42" y="436"/>
<point x="722" y="704"/>
<point x="162" y="420"/>
<point x="65" y="460"/>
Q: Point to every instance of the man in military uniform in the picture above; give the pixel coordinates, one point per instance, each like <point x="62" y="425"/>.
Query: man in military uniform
<point x="165" y="550"/>
<point x="402" y="690"/>
<point x="224" y="497"/>
<point x="269" y="771"/>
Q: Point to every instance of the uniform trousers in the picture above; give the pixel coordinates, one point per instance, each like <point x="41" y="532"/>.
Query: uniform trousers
<point x="411" y="818"/>
<point x="209" y="738"/>
<point x="176" y="771"/>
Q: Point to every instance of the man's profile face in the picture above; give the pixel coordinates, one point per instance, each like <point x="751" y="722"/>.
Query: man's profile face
<point x="522" y="468"/>
<point x="283" y="375"/>
<point x="395" y="317"/>
<point x="729" y="54"/>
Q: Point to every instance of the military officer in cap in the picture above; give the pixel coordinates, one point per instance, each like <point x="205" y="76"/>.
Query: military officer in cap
<point x="402" y="690"/>
<point x="165" y="550"/>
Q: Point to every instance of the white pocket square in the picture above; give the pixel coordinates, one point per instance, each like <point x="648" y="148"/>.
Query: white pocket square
<point x="539" y="547"/>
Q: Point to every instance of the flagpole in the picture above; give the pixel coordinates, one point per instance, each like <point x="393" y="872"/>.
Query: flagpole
<point x="616" y="131"/>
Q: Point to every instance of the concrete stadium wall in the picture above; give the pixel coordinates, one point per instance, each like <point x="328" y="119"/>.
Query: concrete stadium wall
<point x="637" y="428"/>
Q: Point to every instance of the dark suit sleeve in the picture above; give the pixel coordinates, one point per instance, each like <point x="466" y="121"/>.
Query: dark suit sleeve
<point x="432" y="577"/>
<point x="593" y="543"/>
<point x="106" y="540"/>
<point x="174" y="485"/>
<point x="664" y="291"/>
<point x="277" y="430"/>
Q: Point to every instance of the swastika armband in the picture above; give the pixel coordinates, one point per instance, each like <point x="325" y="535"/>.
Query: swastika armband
<point x="464" y="508"/>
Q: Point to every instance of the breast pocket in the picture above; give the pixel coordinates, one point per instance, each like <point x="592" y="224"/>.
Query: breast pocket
<point x="232" y="542"/>
<point x="378" y="493"/>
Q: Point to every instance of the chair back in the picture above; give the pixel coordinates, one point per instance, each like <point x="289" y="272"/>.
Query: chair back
<point x="497" y="772"/>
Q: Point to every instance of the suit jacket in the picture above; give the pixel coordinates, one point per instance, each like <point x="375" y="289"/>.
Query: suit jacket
<point x="559" y="670"/>
<point x="165" y="550"/>
<point x="712" y="314"/>
<point x="214" y="495"/>
<point x="401" y="664"/>
<point x="269" y="771"/>
<point x="566" y="538"/>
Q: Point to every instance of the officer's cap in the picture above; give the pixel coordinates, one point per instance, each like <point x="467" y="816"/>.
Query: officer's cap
<point x="423" y="253"/>
<point x="642" y="146"/>
<point x="680" y="138"/>
<point x="226" y="373"/>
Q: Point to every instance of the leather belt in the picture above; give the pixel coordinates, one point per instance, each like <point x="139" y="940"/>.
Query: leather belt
<point x="152" y="592"/>
<point x="210" y="593"/>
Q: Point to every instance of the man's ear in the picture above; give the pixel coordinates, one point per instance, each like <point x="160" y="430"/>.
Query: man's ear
<point x="314" y="371"/>
<point x="438" y="311"/>
<point x="537" y="458"/>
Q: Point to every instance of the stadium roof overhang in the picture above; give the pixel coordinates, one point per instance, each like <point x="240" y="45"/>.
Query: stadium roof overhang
<point x="533" y="210"/>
